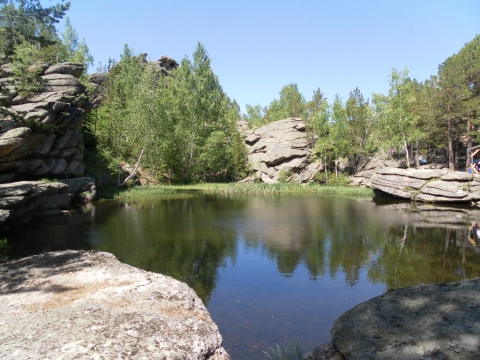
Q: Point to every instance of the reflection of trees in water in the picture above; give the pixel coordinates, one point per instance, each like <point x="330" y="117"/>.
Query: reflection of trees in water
<point x="179" y="238"/>
<point x="190" y="239"/>
<point x="395" y="246"/>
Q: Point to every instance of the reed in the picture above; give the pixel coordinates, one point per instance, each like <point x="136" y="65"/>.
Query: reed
<point x="289" y="351"/>
<point x="148" y="193"/>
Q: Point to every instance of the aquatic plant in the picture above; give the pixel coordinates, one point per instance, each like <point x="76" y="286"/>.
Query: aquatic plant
<point x="289" y="351"/>
<point x="144" y="193"/>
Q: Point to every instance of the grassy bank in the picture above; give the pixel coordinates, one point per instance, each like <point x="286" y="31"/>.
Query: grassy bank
<point x="143" y="193"/>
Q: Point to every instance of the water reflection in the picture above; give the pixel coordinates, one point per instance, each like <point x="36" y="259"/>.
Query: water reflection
<point x="272" y="267"/>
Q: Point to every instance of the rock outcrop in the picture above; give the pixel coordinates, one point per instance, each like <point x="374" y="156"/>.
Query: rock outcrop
<point x="22" y="200"/>
<point x="280" y="147"/>
<point x="430" y="185"/>
<point x="420" y="322"/>
<point x="42" y="137"/>
<point x="440" y="185"/>
<point x="86" y="304"/>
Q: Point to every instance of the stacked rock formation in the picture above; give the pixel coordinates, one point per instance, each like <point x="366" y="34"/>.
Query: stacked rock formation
<point x="281" y="146"/>
<point x="427" y="185"/>
<point x="43" y="137"/>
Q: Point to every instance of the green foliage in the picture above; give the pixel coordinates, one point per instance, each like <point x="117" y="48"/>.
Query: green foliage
<point x="4" y="247"/>
<point x="72" y="48"/>
<point x="290" y="104"/>
<point x="27" y="21"/>
<point x="283" y="175"/>
<point x="41" y="127"/>
<point x="184" y="122"/>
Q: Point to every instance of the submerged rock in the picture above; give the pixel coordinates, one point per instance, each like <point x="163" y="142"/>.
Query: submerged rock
<point x="86" y="304"/>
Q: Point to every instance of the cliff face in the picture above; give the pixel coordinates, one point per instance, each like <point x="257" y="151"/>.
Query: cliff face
<point x="43" y="138"/>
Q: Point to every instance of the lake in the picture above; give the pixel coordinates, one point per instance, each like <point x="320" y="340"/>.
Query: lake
<point x="272" y="267"/>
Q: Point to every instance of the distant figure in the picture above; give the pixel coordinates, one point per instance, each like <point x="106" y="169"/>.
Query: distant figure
<point x="474" y="234"/>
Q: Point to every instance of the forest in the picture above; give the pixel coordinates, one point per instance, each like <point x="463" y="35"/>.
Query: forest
<point x="182" y="127"/>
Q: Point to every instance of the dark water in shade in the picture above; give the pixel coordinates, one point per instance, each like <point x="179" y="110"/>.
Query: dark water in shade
<point x="270" y="268"/>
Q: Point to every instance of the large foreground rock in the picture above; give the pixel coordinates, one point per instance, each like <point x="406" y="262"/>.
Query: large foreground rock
<point x="88" y="305"/>
<point x="280" y="146"/>
<point x="420" y="322"/>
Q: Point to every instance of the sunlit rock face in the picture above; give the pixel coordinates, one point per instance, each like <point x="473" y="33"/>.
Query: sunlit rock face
<point x="280" y="146"/>
<point x="42" y="136"/>
<point x="427" y="185"/>
<point x="86" y="304"/>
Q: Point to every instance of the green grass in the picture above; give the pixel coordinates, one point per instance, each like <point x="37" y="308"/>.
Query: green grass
<point x="144" y="193"/>
<point x="289" y="351"/>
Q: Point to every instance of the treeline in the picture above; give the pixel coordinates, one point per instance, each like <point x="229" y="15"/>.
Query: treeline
<point x="414" y="120"/>
<point x="180" y="126"/>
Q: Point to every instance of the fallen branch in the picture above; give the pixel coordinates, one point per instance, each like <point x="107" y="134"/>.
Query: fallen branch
<point x="135" y="169"/>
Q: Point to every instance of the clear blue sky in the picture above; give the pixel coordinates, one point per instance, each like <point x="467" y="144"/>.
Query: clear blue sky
<point x="257" y="47"/>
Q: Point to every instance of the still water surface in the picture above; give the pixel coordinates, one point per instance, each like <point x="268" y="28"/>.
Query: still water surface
<point x="274" y="267"/>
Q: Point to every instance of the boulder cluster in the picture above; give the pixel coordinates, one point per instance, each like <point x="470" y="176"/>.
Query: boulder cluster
<point x="280" y="150"/>
<point x="42" y="136"/>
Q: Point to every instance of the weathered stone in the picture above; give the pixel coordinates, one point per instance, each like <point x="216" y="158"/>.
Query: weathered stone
<point x="10" y="165"/>
<point x="266" y="179"/>
<point x="56" y="201"/>
<point x="29" y="144"/>
<point x="4" y="214"/>
<point x="279" y="146"/>
<point x="63" y="140"/>
<point x="30" y="166"/>
<point x="82" y="189"/>
<point x="45" y="167"/>
<point x="18" y="132"/>
<point x="30" y="107"/>
<point x="252" y="138"/>
<point x="449" y="189"/>
<point x="8" y="145"/>
<point x="324" y="352"/>
<point x="17" y="189"/>
<point x="421" y="322"/>
<point x="442" y="185"/>
<point x="457" y="176"/>
<point x="59" y="167"/>
<point x="70" y="68"/>
<point x="10" y="202"/>
<point x="42" y="150"/>
<point x="138" y="314"/>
